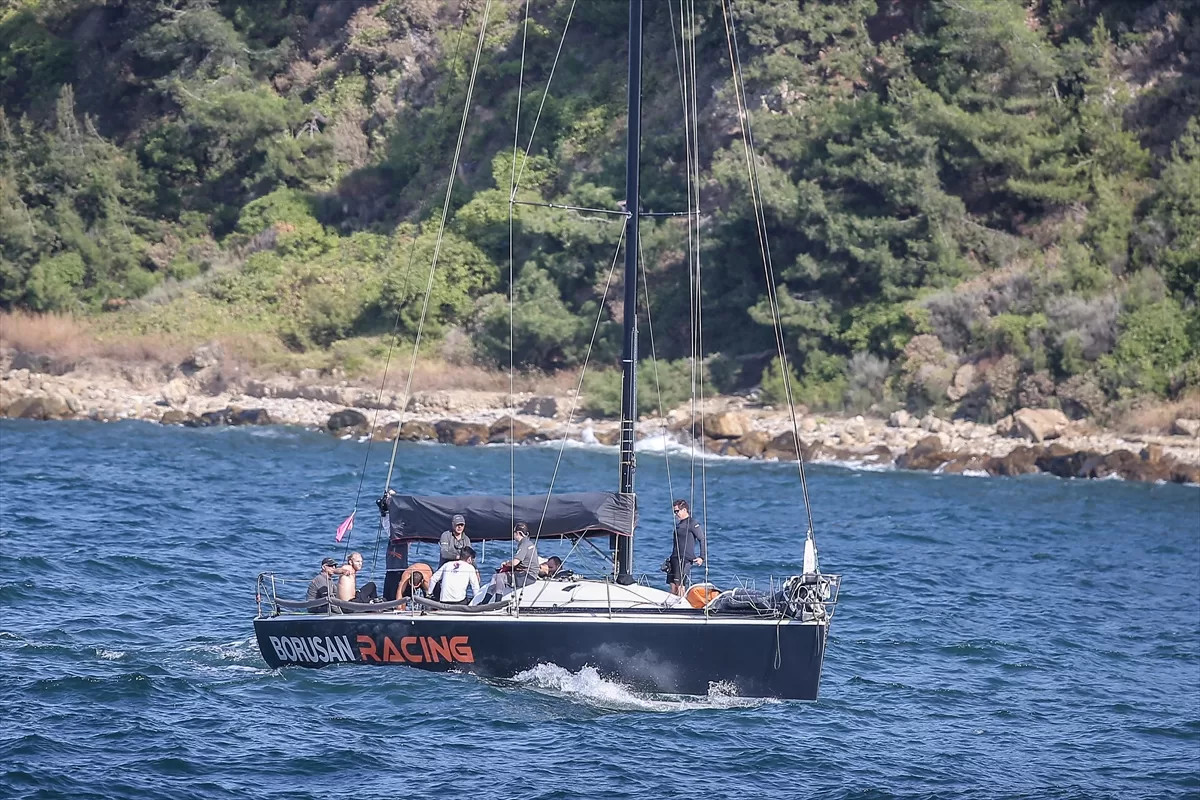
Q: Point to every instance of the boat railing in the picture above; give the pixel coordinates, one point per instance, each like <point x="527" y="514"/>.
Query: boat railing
<point x="806" y="597"/>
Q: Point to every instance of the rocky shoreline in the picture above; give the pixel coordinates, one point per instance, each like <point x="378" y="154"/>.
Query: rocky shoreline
<point x="200" y="392"/>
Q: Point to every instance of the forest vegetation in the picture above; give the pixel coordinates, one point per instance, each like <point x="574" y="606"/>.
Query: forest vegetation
<point x="971" y="204"/>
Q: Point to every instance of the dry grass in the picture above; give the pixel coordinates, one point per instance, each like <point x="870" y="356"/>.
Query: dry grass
<point x="435" y="374"/>
<point x="64" y="342"/>
<point x="1158" y="416"/>
<point x="60" y="343"/>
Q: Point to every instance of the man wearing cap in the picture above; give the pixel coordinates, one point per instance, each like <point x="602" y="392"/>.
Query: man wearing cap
<point x="453" y="540"/>
<point x="321" y="586"/>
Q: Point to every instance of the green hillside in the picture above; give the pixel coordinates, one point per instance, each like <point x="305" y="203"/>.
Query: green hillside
<point x="1008" y="185"/>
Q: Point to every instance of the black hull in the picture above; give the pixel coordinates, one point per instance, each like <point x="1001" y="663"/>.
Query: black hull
<point x="664" y="654"/>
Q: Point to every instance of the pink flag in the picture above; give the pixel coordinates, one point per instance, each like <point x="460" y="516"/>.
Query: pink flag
<point x="346" y="526"/>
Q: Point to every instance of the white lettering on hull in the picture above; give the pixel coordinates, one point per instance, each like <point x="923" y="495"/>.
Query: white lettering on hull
<point x="312" y="649"/>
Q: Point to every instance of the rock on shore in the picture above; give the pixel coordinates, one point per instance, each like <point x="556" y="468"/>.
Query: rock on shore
<point x="1028" y="441"/>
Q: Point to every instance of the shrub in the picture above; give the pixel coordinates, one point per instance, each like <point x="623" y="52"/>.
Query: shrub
<point x="867" y="375"/>
<point x="824" y="382"/>
<point x="1153" y="343"/>
<point x="773" y="388"/>
<point x="53" y="282"/>
<point x="953" y="315"/>
<point x="1082" y="330"/>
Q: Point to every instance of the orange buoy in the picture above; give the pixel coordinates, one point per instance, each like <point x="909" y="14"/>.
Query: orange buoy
<point x="424" y="570"/>
<point x="701" y="595"/>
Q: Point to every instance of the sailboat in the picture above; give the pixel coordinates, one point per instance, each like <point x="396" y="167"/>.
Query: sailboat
<point x="739" y="641"/>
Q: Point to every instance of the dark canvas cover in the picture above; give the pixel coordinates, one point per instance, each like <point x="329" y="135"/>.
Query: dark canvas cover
<point x="422" y="519"/>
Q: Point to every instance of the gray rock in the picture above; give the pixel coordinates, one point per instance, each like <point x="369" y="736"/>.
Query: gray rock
<point x="345" y="420"/>
<point x="540" y="406"/>
<point x="899" y="419"/>
<point x="1186" y="427"/>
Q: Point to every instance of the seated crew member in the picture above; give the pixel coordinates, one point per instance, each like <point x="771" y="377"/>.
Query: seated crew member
<point x="524" y="565"/>
<point x="319" y="587"/>
<point x="348" y="582"/>
<point x="551" y="567"/>
<point x="454" y="540"/>
<point x="456" y="576"/>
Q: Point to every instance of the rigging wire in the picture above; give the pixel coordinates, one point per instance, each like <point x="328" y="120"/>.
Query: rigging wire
<point x="392" y="343"/>
<point x="764" y="246"/>
<point x="562" y="445"/>
<point x="654" y="364"/>
<point x="545" y="94"/>
<point x="699" y="291"/>
<point x="441" y="233"/>
<point x="512" y="292"/>
<point x="514" y="184"/>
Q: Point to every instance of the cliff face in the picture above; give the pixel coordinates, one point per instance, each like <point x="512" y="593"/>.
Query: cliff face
<point x="984" y="184"/>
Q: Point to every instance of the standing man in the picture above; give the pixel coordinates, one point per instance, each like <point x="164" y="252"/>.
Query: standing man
<point x="524" y="565"/>
<point x="456" y="576"/>
<point x="453" y="540"/>
<point x="688" y="537"/>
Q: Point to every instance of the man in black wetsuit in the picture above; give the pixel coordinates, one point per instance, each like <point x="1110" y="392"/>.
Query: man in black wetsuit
<point x="689" y="537"/>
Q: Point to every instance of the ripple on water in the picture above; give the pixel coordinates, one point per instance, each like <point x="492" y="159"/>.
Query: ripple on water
<point x="988" y="643"/>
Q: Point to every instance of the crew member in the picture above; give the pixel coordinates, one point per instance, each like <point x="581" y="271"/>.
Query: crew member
<point x="348" y="582"/>
<point x="689" y="537"/>
<point x="456" y="576"/>
<point x="320" y="586"/>
<point x="454" y="540"/>
<point x="524" y="564"/>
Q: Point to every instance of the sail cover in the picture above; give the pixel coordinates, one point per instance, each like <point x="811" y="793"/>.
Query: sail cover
<point x="422" y="519"/>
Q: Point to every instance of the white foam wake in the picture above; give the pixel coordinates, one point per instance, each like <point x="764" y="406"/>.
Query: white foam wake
<point x="586" y="686"/>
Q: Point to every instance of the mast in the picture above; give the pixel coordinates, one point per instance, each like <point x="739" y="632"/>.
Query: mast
<point x="629" y="350"/>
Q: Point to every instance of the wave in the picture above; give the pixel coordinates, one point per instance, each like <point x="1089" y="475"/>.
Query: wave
<point x="588" y="687"/>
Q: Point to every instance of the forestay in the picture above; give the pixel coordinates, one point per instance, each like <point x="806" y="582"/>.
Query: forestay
<point x="422" y="519"/>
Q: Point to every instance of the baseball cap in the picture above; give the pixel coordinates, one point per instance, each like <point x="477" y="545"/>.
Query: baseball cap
<point x="328" y="562"/>
<point x="458" y="519"/>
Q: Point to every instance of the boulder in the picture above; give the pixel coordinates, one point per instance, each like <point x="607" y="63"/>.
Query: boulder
<point x="540" y="406"/>
<point x="927" y="454"/>
<point x="1152" y="453"/>
<point x="1004" y="426"/>
<point x="1021" y="461"/>
<point x="1185" y="473"/>
<point x="1063" y="461"/>
<point x="855" y="432"/>
<point x="461" y="433"/>
<point x="970" y="462"/>
<point x="346" y="421"/>
<point x="250" y="416"/>
<point x="498" y="431"/>
<point x="1186" y="427"/>
<point x="1121" y="464"/>
<point x="752" y="444"/>
<point x="932" y="424"/>
<point x="40" y="407"/>
<point x="899" y="419"/>
<point x="210" y="419"/>
<point x="960" y="385"/>
<point x="726" y="425"/>
<point x="176" y="417"/>
<point x="721" y="447"/>
<point x="808" y="424"/>
<point x="609" y="437"/>
<point x="175" y="392"/>
<point x="1039" y="424"/>
<point x="411" y="431"/>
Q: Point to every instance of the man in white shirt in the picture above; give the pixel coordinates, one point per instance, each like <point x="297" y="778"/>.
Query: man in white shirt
<point x="456" y="576"/>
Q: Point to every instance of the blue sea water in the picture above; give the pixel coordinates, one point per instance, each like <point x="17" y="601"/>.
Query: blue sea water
<point x="1028" y="637"/>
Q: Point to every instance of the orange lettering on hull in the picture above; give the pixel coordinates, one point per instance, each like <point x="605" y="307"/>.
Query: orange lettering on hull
<point x="416" y="650"/>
